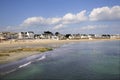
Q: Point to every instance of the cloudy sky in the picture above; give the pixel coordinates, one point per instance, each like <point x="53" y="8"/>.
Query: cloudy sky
<point x="64" y="16"/>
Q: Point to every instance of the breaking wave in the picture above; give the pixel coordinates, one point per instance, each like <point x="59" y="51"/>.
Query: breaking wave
<point x="8" y="71"/>
<point x="43" y="57"/>
<point x="24" y="64"/>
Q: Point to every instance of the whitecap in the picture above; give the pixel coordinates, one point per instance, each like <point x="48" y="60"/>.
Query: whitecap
<point x="26" y="64"/>
<point x="41" y="58"/>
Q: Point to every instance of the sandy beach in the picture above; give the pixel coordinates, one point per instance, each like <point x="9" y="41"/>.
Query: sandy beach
<point x="10" y="45"/>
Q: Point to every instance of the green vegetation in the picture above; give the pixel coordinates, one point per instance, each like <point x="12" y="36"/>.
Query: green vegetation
<point x="6" y="53"/>
<point x="35" y="49"/>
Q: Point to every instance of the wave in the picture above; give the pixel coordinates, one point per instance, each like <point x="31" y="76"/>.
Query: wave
<point x="12" y="70"/>
<point x="43" y="57"/>
<point x="26" y="64"/>
<point x="23" y="65"/>
<point x="4" y="73"/>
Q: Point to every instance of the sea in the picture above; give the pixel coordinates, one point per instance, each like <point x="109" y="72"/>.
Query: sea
<point x="89" y="60"/>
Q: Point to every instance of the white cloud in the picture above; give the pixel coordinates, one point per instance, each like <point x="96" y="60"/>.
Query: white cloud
<point x="57" y="22"/>
<point x="89" y="27"/>
<point x="105" y="13"/>
<point x="54" y="20"/>
<point x="93" y="27"/>
<point x="74" y="18"/>
<point x="12" y="28"/>
<point x="33" y="21"/>
<point x="81" y="16"/>
<point x="69" y="16"/>
<point x="59" y="26"/>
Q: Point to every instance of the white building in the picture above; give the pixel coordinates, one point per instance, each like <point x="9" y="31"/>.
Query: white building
<point x="30" y="34"/>
<point x="26" y="35"/>
<point x="117" y="36"/>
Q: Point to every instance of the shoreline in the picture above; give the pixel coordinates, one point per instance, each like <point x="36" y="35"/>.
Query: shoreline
<point x="34" y="43"/>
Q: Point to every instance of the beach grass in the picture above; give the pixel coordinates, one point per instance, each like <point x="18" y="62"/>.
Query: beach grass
<point x="24" y="50"/>
<point x="6" y="54"/>
<point x="16" y="54"/>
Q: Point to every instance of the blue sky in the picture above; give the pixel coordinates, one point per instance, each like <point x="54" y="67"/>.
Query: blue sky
<point x="65" y="16"/>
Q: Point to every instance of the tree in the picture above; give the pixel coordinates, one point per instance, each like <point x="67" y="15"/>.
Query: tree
<point x="67" y="35"/>
<point x="48" y="33"/>
<point x="57" y="33"/>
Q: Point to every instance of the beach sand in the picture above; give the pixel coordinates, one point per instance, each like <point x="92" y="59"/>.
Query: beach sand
<point x="10" y="45"/>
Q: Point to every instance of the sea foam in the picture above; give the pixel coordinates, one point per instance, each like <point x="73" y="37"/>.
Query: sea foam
<point x="26" y="64"/>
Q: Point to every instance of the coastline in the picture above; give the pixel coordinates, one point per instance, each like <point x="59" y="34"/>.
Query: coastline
<point x="9" y="45"/>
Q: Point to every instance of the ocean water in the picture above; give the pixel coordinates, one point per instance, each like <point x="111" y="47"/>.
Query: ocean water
<point x="98" y="60"/>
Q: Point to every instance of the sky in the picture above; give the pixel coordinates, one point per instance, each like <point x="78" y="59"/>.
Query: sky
<point x="64" y="16"/>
